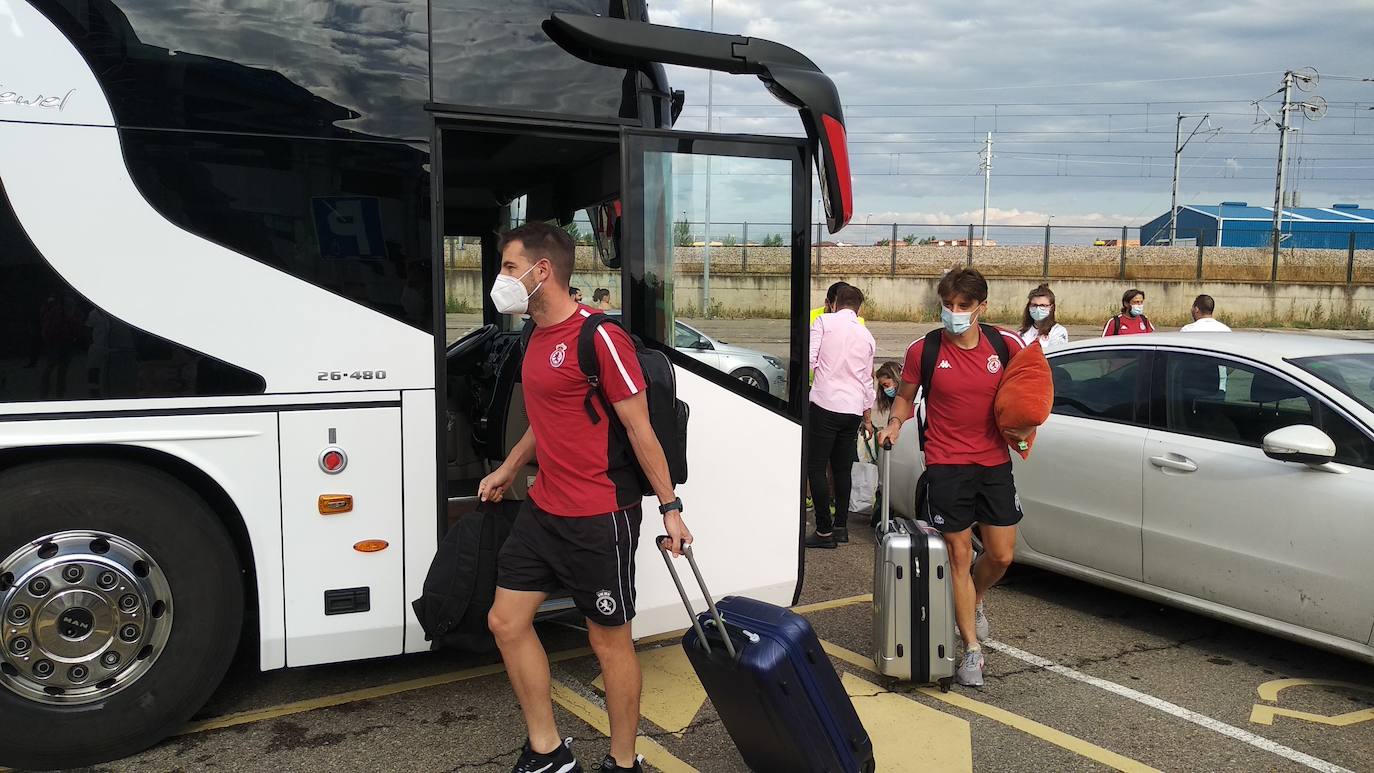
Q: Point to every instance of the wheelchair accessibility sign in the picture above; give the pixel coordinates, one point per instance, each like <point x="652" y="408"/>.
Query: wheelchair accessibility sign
<point x="1269" y="691"/>
<point x="349" y="227"/>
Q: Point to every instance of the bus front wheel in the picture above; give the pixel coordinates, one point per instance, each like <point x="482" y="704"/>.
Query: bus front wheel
<point x="121" y="601"/>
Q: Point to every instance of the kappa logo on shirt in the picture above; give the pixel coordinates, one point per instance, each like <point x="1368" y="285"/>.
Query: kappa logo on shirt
<point x="559" y="354"/>
<point x="994" y="364"/>
<point x="944" y="365"/>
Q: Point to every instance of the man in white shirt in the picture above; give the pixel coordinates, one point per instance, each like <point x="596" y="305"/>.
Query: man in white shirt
<point x="1203" y="307"/>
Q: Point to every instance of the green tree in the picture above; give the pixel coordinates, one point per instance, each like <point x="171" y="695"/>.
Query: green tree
<point x="883" y="243"/>
<point x="928" y="240"/>
<point x="682" y="234"/>
<point x="773" y="240"/>
<point x="574" y="231"/>
<point x="909" y="239"/>
<point x="730" y="240"/>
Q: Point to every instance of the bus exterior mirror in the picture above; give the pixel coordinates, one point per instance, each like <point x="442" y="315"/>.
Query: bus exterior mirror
<point x="1300" y="444"/>
<point x="788" y="75"/>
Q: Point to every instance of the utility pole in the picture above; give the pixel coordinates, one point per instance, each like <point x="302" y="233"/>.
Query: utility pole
<point x="706" y="256"/>
<point x="1178" y="156"/>
<point x="987" y="183"/>
<point x="1281" y="178"/>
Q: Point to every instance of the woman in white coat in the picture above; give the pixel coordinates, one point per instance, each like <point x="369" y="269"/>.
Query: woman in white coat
<point x="1037" y="320"/>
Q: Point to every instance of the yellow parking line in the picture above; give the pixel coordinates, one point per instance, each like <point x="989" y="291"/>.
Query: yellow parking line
<point x="588" y="712"/>
<point x="821" y="606"/>
<point x="365" y="694"/>
<point x="1044" y="732"/>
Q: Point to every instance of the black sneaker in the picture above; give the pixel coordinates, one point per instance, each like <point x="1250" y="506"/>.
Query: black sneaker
<point x="841" y="534"/>
<point x="560" y="760"/>
<point x="608" y="765"/>
<point x="817" y="541"/>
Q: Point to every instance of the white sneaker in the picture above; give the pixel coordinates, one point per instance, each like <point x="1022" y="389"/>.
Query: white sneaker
<point x="970" y="673"/>
<point x="980" y="621"/>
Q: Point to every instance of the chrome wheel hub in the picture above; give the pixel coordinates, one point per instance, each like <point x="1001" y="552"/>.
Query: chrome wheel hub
<point x="82" y="616"/>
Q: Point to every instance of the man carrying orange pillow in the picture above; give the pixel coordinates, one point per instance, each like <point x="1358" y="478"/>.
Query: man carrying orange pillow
<point x="968" y="478"/>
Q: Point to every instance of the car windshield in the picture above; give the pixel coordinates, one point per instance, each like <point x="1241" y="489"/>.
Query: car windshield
<point x="1353" y="374"/>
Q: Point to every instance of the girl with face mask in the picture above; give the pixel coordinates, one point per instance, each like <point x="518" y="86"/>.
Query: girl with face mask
<point x="1132" y="319"/>
<point x="886" y="379"/>
<point x="1037" y="320"/>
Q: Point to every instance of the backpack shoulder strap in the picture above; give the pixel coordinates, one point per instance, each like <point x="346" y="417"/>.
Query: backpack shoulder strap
<point x="525" y="333"/>
<point x="589" y="364"/>
<point x="1116" y="325"/>
<point x="999" y="344"/>
<point x="929" y="356"/>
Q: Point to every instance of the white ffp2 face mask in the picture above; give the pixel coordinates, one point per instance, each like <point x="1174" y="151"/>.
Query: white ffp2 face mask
<point x="508" y="293"/>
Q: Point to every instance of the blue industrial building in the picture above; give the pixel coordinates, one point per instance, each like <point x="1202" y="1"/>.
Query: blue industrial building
<point x="1237" y="224"/>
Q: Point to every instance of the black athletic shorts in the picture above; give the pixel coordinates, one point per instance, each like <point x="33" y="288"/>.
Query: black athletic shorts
<point x="592" y="557"/>
<point x="960" y="495"/>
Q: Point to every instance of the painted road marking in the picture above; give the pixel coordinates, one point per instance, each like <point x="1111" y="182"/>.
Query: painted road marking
<point x="1202" y="720"/>
<point x="1028" y="726"/>
<point x="892" y="720"/>
<point x="672" y="694"/>
<point x="1269" y="691"/>
<point x="594" y="715"/>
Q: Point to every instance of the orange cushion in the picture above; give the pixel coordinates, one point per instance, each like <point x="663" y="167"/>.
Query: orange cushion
<point x="1025" y="395"/>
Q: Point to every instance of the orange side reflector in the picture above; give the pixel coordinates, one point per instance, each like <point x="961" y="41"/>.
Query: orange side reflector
<point x="371" y="545"/>
<point x="336" y="504"/>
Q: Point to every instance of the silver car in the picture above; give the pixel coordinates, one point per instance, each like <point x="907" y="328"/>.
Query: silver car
<point x="1230" y="474"/>
<point x="758" y="370"/>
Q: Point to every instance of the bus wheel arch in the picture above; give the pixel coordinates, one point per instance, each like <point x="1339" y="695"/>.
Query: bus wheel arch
<point x="60" y="517"/>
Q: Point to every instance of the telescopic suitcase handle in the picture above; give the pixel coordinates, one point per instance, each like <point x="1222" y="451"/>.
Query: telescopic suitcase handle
<point x="663" y="541"/>
<point x="887" y="487"/>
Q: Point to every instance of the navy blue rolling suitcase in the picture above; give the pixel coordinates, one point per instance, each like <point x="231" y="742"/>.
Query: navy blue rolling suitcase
<point x="773" y="686"/>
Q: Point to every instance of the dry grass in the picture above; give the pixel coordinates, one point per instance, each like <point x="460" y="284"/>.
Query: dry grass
<point x="1224" y="264"/>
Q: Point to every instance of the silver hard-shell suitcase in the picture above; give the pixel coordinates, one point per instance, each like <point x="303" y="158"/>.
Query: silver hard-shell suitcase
<point x="913" y="598"/>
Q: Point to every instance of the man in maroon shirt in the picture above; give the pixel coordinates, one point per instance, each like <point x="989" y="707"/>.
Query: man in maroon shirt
<point x="579" y="528"/>
<point x="968" y="467"/>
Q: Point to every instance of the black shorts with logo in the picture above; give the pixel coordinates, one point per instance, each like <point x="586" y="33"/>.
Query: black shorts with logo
<point x="960" y="495"/>
<point x="592" y="557"/>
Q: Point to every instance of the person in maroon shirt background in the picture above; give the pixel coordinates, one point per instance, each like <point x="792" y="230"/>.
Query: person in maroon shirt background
<point x="1132" y="319"/>
<point x="579" y="527"/>
<point x="968" y="466"/>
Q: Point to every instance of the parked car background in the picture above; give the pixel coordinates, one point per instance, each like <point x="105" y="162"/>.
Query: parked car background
<point x="1229" y="474"/>
<point x="758" y="370"/>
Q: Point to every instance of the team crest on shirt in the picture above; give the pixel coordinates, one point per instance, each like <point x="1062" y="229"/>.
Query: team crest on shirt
<point x="994" y="364"/>
<point x="605" y="602"/>
<point x="560" y="353"/>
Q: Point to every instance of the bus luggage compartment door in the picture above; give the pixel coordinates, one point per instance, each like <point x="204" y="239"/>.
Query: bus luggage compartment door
<point x="343" y="558"/>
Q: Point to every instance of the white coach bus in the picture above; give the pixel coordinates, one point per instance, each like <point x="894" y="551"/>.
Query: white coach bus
<point x="243" y="378"/>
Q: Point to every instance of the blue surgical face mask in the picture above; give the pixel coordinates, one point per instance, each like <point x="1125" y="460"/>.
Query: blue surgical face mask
<point x="1138" y="310"/>
<point x="1039" y="313"/>
<point x="891" y="392"/>
<point x="956" y="322"/>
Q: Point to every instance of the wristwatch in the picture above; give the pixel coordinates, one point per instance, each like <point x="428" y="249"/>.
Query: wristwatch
<point x="676" y="504"/>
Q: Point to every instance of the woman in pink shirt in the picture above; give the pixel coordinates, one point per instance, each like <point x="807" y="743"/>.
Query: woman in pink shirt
<point x="841" y="401"/>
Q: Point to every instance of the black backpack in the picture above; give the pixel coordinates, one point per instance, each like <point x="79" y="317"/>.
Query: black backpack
<point x="460" y="587"/>
<point x="667" y="414"/>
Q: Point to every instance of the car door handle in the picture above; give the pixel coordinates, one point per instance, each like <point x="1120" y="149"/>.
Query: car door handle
<point x="1168" y="463"/>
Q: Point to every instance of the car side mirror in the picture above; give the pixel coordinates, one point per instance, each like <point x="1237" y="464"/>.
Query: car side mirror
<point x="702" y="344"/>
<point x="1300" y="444"/>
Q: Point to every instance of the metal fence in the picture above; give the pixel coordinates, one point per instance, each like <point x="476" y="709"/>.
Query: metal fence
<point x="1047" y="251"/>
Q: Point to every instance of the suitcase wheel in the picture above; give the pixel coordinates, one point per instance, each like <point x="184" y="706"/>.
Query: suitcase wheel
<point x="946" y="683"/>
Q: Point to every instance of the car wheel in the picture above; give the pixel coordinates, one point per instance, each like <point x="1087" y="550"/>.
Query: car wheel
<point x="121" y="601"/>
<point x="752" y="377"/>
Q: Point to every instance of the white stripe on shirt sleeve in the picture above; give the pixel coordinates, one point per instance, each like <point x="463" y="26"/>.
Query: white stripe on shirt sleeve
<point x="615" y="355"/>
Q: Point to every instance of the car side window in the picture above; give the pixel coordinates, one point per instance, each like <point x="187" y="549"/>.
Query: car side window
<point x="684" y="337"/>
<point x="1097" y="385"/>
<point x="1224" y="400"/>
<point x="1353" y="446"/>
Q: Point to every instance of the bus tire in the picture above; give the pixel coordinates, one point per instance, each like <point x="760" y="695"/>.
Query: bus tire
<point x="134" y="596"/>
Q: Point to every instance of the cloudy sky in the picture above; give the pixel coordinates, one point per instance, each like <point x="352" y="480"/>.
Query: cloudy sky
<point x="1081" y="95"/>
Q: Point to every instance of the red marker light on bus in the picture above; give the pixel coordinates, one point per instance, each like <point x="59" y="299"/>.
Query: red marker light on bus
<point x="333" y="460"/>
<point x="371" y="545"/>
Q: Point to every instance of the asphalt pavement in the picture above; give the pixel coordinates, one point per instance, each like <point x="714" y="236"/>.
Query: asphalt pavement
<point x="1080" y="678"/>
